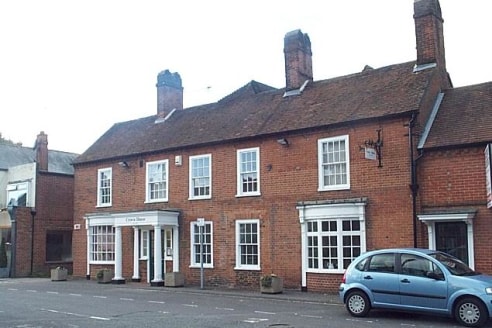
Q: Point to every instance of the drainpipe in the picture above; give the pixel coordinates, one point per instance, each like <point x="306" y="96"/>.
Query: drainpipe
<point x="33" y="214"/>
<point x="414" y="187"/>
<point x="11" y="209"/>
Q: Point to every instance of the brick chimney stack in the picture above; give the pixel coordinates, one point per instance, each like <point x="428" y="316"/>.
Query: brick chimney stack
<point x="429" y="33"/>
<point x="169" y="93"/>
<point x="298" y="59"/>
<point x="41" y="149"/>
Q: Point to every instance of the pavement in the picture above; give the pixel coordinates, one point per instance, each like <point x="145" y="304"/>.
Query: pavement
<point x="292" y="295"/>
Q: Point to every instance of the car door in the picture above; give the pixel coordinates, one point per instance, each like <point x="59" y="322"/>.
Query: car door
<point x="382" y="280"/>
<point x="422" y="283"/>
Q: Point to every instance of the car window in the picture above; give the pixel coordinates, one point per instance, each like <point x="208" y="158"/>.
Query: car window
<point x="415" y="265"/>
<point x="361" y="265"/>
<point x="382" y="263"/>
<point x="454" y="265"/>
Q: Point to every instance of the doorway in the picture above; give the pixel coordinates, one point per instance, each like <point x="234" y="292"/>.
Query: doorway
<point x="451" y="237"/>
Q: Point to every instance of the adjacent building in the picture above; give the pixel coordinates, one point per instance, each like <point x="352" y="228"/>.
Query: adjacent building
<point x="295" y="181"/>
<point x="36" y="218"/>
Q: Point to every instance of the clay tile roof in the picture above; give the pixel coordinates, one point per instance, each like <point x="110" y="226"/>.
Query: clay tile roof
<point x="464" y="117"/>
<point x="259" y="110"/>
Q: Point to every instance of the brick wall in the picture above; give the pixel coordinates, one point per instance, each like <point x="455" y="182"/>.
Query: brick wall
<point x="455" y="178"/>
<point x="288" y="175"/>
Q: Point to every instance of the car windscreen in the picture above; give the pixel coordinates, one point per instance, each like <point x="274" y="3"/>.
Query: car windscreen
<point x="454" y="265"/>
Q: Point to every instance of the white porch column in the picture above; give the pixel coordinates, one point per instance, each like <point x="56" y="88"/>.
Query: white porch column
<point x="175" y="249"/>
<point x="303" y="248"/>
<point x="157" y="281"/>
<point x="88" y="250"/>
<point x="136" y="243"/>
<point x="118" y="256"/>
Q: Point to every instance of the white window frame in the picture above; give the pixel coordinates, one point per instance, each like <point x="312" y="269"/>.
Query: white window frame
<point x="144" y="244"/>
<point x="239" y="265"/>
<point x="194" y="229"/>
<point x="106" y="243"/>
<point x="108" y="172"/>
<point x="206" y="174"/>
<point x="165" y="164"/>
<point x="335" y="264"/>
<point x="240" y="172"/>
<point x="345" y="162"/>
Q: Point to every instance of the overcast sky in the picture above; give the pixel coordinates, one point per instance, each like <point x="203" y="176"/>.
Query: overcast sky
<point x="74" y="68"/>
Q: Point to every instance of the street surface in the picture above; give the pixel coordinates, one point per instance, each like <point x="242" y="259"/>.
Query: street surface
<point x="42" y="303"/>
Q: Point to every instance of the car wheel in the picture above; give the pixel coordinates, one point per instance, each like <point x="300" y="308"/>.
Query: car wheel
<point x="357" y="304"/>
<point x="470" y="312"/>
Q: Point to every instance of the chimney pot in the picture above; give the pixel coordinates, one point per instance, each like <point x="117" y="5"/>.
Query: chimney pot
<point x="41" y="149"/>
<point x="298" y="59"/>
<point x="169" y="93"/>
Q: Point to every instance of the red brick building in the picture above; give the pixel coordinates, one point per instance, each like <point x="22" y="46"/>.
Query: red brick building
<point x="295" y="181"/>
<point x="37" y="207"/>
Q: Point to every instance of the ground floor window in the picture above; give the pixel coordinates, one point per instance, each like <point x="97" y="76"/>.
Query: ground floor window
<point x="333" y="234"/>
<point x="333" y="243"/>
<point x="248" y="244"/>
<point x="58" y="246"/>
<point x="102" y="243"/>
<point x="207" y="244"/>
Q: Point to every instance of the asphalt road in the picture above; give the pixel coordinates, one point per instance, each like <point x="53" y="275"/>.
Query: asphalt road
<point x="41" y="303"/>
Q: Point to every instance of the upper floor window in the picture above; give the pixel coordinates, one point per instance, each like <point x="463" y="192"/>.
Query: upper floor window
<point x="200" y="177"/>
<point x="102" y="244"/>
<point x="17" y="193"/>
<point x="157" y="181"/>
<point x="248" y="172"/>
<point x="206" y="243"/>
<point x="104" y="185"/>
<point x="334" y="163"/>
<point x="248" y="244"/>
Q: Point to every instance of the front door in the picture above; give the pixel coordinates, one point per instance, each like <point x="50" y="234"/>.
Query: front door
<point x="152" y="257"/>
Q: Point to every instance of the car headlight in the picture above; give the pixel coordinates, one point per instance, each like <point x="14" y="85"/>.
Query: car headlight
<point x="488" y="290"/>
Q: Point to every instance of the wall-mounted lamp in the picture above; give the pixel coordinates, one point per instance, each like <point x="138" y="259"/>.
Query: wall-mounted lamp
<point x="283" y="141"/>
<point x="123" y="164"/>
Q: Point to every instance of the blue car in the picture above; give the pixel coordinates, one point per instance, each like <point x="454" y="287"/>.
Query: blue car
<point x="418" y="280"/>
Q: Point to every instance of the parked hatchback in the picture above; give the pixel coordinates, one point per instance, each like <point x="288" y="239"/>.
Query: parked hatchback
<point x="418" y="280"/>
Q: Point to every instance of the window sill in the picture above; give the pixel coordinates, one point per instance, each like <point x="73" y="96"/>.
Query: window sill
<point x="256" y="194"/>
<point x="197" y="266"/>
<point x="200" y="198"/>
<point x="156" y="201"/>
<point x="103" y="205"/>
<point x="247" y="268"/>
<point x="335" y="188"/>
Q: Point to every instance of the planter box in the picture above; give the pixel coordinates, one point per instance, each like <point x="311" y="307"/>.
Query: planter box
<point x="105" y="276"/>
<point x="276" y="286"/>
<point x="59" y="274"/>
<point x="174" y="279"/>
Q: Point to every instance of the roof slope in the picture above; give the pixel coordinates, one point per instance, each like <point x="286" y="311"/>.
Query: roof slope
<point x="257" y="109"/>
<point x="464" y="117"/>
<point x="14" y="155"/>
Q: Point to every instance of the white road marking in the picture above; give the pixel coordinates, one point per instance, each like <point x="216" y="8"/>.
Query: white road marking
<point x="255" y="320"/>
<point x="263" y="312"/>
<point x="225" y="309"/>
<point x="52" y="293"/>
<point x="76" y="314"/>
<point x="311" y="316"/>
<point x="75" y="294"/>
<point x="126" y="299"/>
<point x="190" y="305"/>
<point x="96" y="296"/>
<point x="157" y="302"/>
<point x="31" y="291"/>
